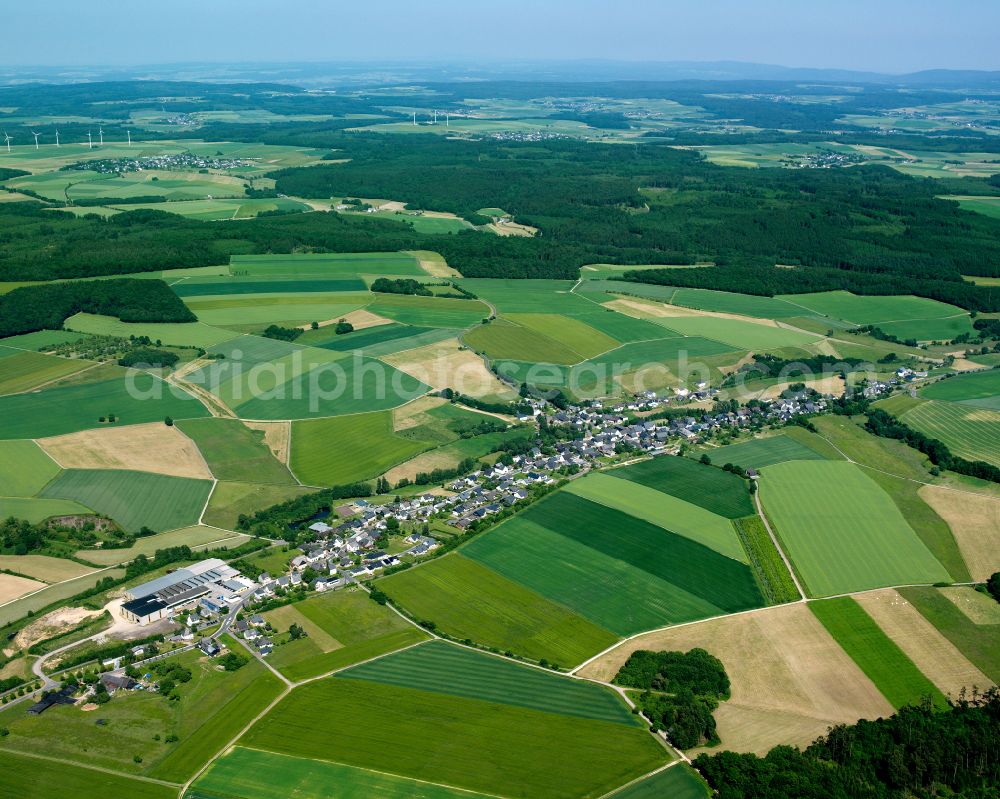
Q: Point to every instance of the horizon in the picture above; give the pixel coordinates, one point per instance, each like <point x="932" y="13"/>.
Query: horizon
<point x="892" y="37"/>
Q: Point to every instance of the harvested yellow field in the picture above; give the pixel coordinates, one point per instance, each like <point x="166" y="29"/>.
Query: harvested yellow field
<point x="283" y="618"/>
<point x="650" y="309"/>
<point x="447" y="364"/>
<point x="277" y="437"/>
<point x="425" y="462"/>
<point x="930" y="651"/>
<point x="12" y="587"/>
<point x="43" y="567"/>
<point x="978" y="607"/>
<point x="974" y="520"/>
<point x="826" y="385"/>
<point x="512" y="229"/>
<point x="434" y="264"/>
<point x="152" y="447"/>
<point x="790" y="679"/>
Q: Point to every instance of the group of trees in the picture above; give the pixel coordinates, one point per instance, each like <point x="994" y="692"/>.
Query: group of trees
<point x="403" y="285"/>
<point x="679" y="692"/>
<point x="918" y="752"/>
<point x="282" y="333"/>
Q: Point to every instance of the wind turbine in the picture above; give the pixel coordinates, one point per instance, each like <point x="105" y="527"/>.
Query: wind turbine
<point x="414" y="117"/>
<point x="90" y="141"/>
<point x="36" y="135"/>
<point x="435" y="116"/>
<point x="447" y="120"/>
<point x="129" y="137"/>
<point x="57" y="137"/>
<point x="100" y="132"/>
<point x="6" y="139"/>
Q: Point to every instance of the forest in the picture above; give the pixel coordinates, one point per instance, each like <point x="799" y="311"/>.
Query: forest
<point x="918" y="752"/>
<point x="47" y="306"/>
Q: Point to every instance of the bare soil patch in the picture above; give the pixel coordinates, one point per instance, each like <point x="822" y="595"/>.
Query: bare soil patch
<point x="152" y="447"/>
<point x="826" y="385"/>
<point x="974" y="521"/>
<point x="414" y="414"/>
<point x="790" y="679"/>
<point x="930" y="651"/>
<point x="360" y="319"/>
<point x="52" y="624"/>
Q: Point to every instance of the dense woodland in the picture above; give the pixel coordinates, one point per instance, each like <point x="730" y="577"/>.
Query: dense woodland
<point x="918" y="752"/>
<point x="31" y="308"/>
<point x="867" y="229"/>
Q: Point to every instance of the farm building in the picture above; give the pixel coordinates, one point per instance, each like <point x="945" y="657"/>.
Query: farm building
<point x="157" y="599"/>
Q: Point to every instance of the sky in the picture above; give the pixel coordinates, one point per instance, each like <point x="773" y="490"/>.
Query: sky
<point x="892" y="36"/>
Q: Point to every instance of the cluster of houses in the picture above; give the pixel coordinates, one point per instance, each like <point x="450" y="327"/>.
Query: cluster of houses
<point x="120" y="166"/>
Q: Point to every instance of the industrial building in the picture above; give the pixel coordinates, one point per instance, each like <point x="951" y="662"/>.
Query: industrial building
<point x="157" y="599"/>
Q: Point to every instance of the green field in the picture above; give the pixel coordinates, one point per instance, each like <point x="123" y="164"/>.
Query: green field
<point x="760" y="452"/>
<point x="503" y="339"/>
<point x="342" y="628"/>
<point x="218" y="209"/>
<point x="981" y="389"/>
<point x="429" y="311"/>
<point x="328" y="339"/>
<point x="569" y="331"/>
<point x="25" y="469"/>
<point x="740" y="334"/>
<point x="230" y="500"/>
<point x="194" y="537"/>
<point x="676" y="782"/>
<point x="36" y="510"/>
<point x="23" y="371"/>
<point x="709" y="487"/>
<point x="980" y="643"/>
<point x="663" y="510"/>
<point x="877" y="655"/>
<point x="328" y="264"/>
<point x="31" y="778"/>
<point x="134" y="499"/>
<point x="224" y="286"/>
<point x="253" y="774"/>
<point x="445" y="668"/>
<point x="620" y="572"/>
<point x="69" y="408"/>
<point x="469" y="600"/>
<point x="988" y="206"/>
<point x="40" y="339"/>
<point x="345" y="449"/>
<point x="936" y="319"/>
<point x="253" y="313"/>
<point x="477" y="745"/>
<point x="970" y="432"/>
<point x="180" y="334"/>
<point x="234" y="452"/>
<point x="842" y="531"/>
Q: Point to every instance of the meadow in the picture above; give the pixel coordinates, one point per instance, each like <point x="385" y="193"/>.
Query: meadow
<point x="620" y="572"/>
<point x="134" y="499"/>
<point x="194" y="537"/>
<point x="760" y="452"/>
<point x="25" y="469"/>
<point x="24" y="371"/>
<point x="68" y="408"/>
<point x="469" y="600"/>
<point x="35" y="510"/>
<point x="446" y="668"/>
<point x="739" y="334"/>
<point x="234" y="452"/>
<point x="981" y="389"/>
<point x="841" y="530"/>
<point x="345" y="449"/>
<point x="179" y="334"/>
<point x="254" y="774"/>
<point x="429" y="311"/>
<point x="342" y="628"/>
<point x="970" y="432"/>
<point x="709" y="487"/>
<point x="44" y="568"/>
<point x="878" y="656"/>
<point x="676" y="782"/>
<point x="213" y="707"/>
<point x="230" y="500"/>
<point x="328" y="264"/>
<point x="478" y="745"/>
<point x="28" y="776"/>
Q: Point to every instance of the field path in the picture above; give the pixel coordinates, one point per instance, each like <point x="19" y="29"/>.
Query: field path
<point x="777" y="546"/>
<point x="98" y="768"/>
